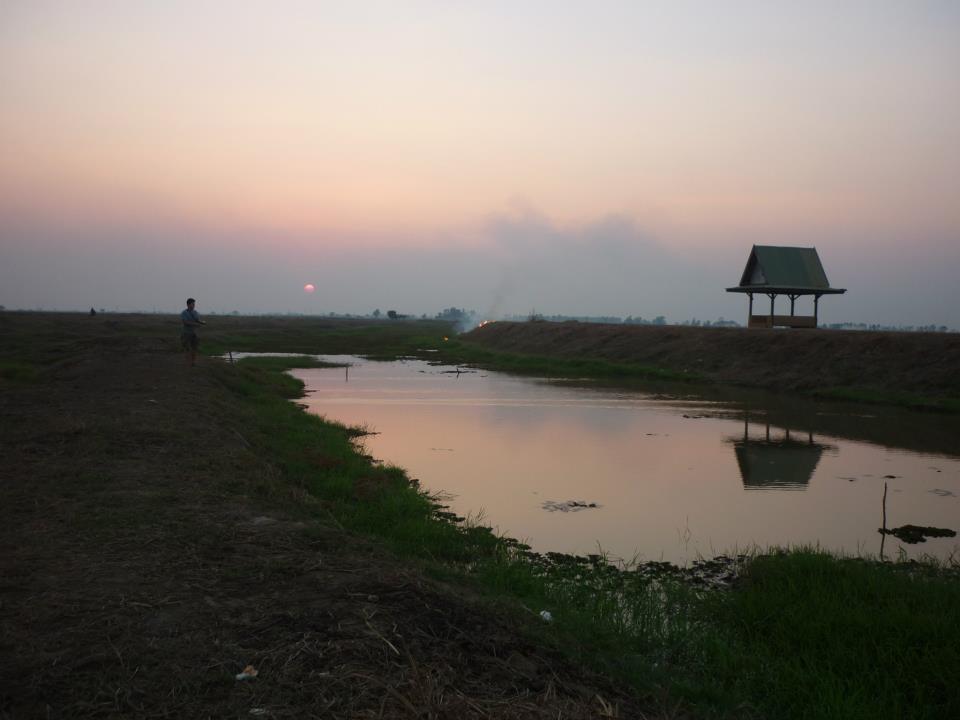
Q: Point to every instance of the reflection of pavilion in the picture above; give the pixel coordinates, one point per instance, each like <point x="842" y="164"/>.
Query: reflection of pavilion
<point x="776" y="463"/>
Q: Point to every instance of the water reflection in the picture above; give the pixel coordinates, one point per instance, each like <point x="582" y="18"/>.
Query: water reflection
<point x="657" y="467"/>
<point x="892" y="427"/>
<point x="776" y="461"/>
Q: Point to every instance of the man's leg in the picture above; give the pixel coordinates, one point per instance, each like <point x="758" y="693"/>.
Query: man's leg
<point x="188" y="352"/>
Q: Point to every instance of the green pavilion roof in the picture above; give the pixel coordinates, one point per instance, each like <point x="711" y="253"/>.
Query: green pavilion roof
<point x="793" y="270"/>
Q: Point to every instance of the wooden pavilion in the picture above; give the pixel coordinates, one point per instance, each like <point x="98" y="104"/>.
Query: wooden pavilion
<point x="790" y="271"/>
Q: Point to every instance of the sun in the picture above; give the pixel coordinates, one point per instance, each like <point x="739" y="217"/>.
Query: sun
<point x="309" y="288"/>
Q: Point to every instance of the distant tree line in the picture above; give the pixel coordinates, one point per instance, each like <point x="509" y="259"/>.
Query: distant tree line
<point x="455" y="314"/>
<point x="617" y="320"/>
<point x="888" y="328"/>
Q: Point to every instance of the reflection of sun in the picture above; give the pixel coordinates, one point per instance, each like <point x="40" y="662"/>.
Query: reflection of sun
<point x="309" y="288"/>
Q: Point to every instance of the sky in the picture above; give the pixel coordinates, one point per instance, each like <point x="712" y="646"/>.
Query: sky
<point x="563" y="157"/>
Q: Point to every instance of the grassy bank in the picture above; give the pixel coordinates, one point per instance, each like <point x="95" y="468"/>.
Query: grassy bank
<point x="321" y="457"/>
<point x="457" y="351"/>
<point x="802" y="634"/>
<point x="914" y="370"/>
<point x="429" y="339"/>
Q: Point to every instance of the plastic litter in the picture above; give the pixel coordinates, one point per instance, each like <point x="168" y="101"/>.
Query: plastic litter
<point x="249" y="673"/>
<point x="546" y="616"/>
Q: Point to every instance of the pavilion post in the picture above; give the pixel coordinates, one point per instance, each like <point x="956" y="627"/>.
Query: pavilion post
<point x="792" y="298"/>
<point x="816" y="302"/>
<point x="772" y="296"/>
<point x="750" y="311"/>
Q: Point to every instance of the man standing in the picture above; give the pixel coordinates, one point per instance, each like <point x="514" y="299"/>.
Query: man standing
<point x="188" y="336"/>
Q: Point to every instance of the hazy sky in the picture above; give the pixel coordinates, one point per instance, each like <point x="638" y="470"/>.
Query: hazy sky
<point x="570" y="157"/>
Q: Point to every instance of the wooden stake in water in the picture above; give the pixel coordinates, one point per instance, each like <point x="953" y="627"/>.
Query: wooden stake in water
<point x="884" y="506"/>
<point x="883" y="530"/>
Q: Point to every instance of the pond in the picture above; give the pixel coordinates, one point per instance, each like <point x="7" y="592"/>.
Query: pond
<point x="653" y="472"/>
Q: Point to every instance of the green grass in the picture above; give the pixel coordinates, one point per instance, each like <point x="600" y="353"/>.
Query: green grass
<point x="810" y="635"/>
<point x="804" y="635"/>
<point x="464" y="353"/>
<point x="18" y="372"/>
<point x="320" y="456"/>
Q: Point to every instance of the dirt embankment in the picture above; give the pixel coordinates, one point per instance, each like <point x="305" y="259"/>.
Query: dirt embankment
<point x="805" y="360"/>
<point x="149" y="552"/>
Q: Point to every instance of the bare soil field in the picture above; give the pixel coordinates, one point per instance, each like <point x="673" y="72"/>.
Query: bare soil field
<point x="925" y="364"/>
<point x="149" y="553"/>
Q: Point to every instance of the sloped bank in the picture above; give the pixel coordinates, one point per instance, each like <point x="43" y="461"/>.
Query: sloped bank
<point x="915" y="369"/>
<point x="164" y="526"/>
<point x="794" y="627"/>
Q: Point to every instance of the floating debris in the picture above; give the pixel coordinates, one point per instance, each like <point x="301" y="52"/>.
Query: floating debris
<point x="546" y="616"/>
<point x="249" y="673"/>
<point x="568" y="506"/>
<point x="891" y="477"/>
<point x="943" y="493"/>
<point x="913" y="534"/>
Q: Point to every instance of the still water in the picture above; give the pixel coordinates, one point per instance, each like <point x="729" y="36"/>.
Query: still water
<point x="654" y="472"/>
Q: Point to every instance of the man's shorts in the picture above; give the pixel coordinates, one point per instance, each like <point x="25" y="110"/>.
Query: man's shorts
<point x="190" y="341"/>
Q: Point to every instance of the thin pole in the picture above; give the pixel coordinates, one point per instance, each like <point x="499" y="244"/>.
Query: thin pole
<point x="883" y="530"/>
<point x="884" y="506"/>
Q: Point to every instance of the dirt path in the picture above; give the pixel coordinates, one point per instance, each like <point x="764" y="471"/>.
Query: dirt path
<point x="141" y="570"/>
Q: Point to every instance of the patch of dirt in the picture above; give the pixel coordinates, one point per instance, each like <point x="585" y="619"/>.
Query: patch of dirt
<point x="141" y="569"/>
<point x="804" y="360"/>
